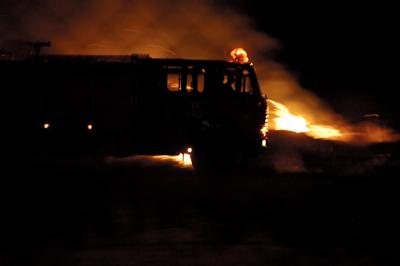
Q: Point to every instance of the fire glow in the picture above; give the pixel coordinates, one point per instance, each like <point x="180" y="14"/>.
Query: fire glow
<point x="283" y="119"/>
<point x="239" y="55"/>
<point x="182" y="159"/>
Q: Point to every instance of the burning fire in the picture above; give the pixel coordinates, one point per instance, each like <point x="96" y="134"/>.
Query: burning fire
<point x="239" y="55"/>
<point x="183" y="159"/>
<point x="361" y="133"/>
<point x="284" y="120"/>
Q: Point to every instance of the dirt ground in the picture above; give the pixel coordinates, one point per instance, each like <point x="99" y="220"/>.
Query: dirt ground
<point x="154" y="211"/>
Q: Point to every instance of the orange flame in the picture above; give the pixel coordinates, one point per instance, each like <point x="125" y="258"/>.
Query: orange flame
<point x="239" y="55"/>
<point x="284" y="120"/>
<point x="324" y="132"/>
<point x="182" y="159"/>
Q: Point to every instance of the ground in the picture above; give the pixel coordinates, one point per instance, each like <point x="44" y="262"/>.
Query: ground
<point x="152" y="211"/>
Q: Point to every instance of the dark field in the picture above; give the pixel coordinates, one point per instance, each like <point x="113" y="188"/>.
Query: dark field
<point x="148" y="211"/>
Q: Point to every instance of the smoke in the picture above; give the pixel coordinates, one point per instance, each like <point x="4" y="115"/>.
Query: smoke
<point x="177" y="29"/>
<point x="190" y="29"/>
<point x="281" y="86"/>
<point x="182" y="28"/>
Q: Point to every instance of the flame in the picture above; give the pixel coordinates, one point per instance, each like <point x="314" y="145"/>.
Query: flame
<point x="239" y="55"/>
<point x="324" y="132"/>
<point x="182" y="159"/>
<point x="285" y="120"/>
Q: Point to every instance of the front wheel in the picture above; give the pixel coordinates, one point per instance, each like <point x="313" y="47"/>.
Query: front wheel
<point x="215" y="158"/>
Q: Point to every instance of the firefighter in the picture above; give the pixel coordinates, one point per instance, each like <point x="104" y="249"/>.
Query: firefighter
<point x="228" y="86"/>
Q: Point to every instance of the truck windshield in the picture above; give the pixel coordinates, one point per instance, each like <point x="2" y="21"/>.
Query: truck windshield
<point x="232" y="79"/>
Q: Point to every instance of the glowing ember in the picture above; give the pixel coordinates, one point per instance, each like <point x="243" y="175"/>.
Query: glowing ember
<point x="182" y="159"/>
<point x="264" y="130"/>
<point x="185" y="159"/>
<point x="239" y="55"/>
<point x="46" y="125"/>
<point x="284" y="120"/>
<point x="324" y="132"/>
<point x="264" y="143"/>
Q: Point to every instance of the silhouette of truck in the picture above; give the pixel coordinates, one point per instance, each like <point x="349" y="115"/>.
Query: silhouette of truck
<point x="120" y="105"/>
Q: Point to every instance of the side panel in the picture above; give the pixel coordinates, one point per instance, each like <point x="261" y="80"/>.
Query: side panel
<point x="161" y="110"/>
<point x="81" y="107"/>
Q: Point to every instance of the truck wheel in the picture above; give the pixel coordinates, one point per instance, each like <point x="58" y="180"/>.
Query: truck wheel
<point x="212" y="160"/>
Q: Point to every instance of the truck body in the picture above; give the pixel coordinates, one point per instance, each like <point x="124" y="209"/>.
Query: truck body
<point x="120" y="105"/>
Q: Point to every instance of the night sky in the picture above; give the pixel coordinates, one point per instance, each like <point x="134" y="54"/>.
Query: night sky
<point x="346" y="53"/>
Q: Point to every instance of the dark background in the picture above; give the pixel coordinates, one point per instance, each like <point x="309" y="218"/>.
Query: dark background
<point x="347" y="53"/>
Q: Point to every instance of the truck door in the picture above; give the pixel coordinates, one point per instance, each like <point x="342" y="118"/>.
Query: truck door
<point x="160" y="104"/>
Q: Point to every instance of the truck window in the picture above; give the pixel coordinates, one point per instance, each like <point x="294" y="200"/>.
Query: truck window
<point x="248" y="88"/>
<point x="175" y="78"/>
<point x="247" y="83"/>
<point x="174" y="82"/>
<point x="195" y="80"/>
<point x="190" y="83"/>
<point x="200" y="81"/>
<point x="230" y="80"/>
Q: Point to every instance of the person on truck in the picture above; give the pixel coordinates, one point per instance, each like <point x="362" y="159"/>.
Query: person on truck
<point x="228" y="84"/>
<point x="221" y="83"/>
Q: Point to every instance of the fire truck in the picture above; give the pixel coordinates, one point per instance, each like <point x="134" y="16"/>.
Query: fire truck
<point x="133" y="104"/>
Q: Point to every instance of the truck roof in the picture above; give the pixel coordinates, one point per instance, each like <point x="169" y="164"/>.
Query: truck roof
<point x="134" y="58"/>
